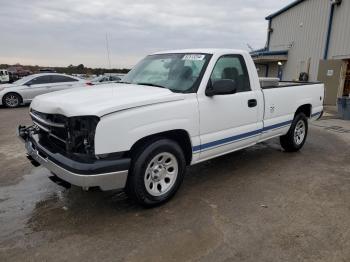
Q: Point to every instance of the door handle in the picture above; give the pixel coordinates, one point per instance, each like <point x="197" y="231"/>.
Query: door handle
<point x="252" y="103"/>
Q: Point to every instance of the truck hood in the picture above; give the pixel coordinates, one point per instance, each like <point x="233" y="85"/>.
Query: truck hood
<point x="101" y="100"/>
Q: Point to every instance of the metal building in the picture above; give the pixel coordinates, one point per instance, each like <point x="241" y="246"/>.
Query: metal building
<point x="309" y="40"/>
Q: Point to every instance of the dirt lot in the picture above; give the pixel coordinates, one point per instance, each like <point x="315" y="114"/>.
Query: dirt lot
<point x="258" y="204"/>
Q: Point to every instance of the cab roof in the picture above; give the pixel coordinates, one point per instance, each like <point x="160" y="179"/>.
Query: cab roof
<point x="212" y="51"/>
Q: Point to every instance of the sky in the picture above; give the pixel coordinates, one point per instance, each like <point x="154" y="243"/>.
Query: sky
<point x="64" y="32"/>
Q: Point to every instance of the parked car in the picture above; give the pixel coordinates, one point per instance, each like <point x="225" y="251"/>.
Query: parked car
<point x="4" y="76"/>
<point x="104" y="79"/>
<point x="25" y="89"/>
<point x="173" y="109"/>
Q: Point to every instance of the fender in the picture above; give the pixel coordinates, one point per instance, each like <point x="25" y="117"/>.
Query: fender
<point x="136" y="123"/>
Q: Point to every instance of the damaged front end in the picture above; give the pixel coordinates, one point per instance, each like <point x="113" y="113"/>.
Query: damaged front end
<point x="73" y="135"/>
<point x="65" y="145"/>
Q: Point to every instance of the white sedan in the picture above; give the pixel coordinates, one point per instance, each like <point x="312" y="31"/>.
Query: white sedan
<point x="24" y="90"/>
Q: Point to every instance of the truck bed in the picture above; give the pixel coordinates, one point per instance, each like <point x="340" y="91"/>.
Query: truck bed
<point x="267" y="83"/>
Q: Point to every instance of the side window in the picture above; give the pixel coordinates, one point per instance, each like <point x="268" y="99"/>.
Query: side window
<point x="62" y="79"/>
<point x="232" y="67"/>
<point x="1" y="73"/>
<point x="40" y="80"/>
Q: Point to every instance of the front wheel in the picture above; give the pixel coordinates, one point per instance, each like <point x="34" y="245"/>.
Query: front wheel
<point x="12" y="100"/>
<point x="295" y="139"/>
<point x="156" y="173"/>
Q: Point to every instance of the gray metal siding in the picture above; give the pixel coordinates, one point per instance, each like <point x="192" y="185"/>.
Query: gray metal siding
<point x="273" y="70"/>
<point x="261" y="70"/>
<point x="339" y="47"/>
<point x="302" y="31"/>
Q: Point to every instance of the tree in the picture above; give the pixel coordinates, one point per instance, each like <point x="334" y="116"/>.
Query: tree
<point x="81" y="69"/>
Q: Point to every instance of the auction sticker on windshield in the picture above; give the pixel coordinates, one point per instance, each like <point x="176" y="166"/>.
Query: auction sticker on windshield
<point x="193" y="57"/>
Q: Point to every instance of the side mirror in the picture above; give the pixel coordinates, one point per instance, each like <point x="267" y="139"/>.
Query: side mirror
<point x="221" y="87"/>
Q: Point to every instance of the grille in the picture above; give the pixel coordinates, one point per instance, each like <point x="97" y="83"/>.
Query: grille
<point x="52" y="126"/>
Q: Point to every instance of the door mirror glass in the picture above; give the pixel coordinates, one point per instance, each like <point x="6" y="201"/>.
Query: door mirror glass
<point x="221" y="87"/>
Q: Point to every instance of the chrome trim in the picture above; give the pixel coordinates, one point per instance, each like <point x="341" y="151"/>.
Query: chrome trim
<point x="49" y="123"/>
<point x="60" y="139"/>
<point x="41" y="127"/>
<point x="106" y="181"/>
<point x="49" y="132"/>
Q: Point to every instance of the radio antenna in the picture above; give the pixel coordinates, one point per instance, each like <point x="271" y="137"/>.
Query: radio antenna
<point x="108" y="56"/>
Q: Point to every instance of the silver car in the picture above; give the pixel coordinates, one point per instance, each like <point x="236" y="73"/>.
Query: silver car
<point x="24" y="90"/>
<point x="106" y="79"/>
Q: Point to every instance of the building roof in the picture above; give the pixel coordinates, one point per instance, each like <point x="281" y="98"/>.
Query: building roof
<point x="284" y="9"/>
<point x="265" y="56"/>
<point x="264" y="52"/>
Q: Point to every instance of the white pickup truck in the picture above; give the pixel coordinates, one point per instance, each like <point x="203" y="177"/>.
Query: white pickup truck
<point x="172" y="110"/>
<point x="4" y="76"/>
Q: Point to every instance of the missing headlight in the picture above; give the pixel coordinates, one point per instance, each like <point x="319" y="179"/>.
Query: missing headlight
<point x="81" y="134"/>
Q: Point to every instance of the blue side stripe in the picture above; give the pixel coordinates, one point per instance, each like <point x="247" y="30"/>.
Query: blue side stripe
<point x="267" y="128"/>
<point x="233" y="141"/>
<point x="196" y="148"/>
<point x="238" y="137"/>
<point x="315" y="114"/>
<point x="243" y="136"/>
<point x="229" y="139"/>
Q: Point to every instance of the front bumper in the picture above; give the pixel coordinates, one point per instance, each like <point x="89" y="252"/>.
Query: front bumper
<point x="106" y="174"/>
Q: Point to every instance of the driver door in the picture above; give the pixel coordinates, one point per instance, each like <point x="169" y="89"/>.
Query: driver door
<point x="228" y="122"/>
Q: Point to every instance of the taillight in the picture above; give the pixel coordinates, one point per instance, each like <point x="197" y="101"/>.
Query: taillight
<point x="89" y="84"/>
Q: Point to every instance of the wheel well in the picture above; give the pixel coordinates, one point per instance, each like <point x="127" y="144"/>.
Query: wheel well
<point x="20" y="97"/>
<point x="306" y="109"/>
<point x="180" y="136"/>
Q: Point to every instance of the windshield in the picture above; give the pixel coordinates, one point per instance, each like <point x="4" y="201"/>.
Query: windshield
<point x="177" y="72"/>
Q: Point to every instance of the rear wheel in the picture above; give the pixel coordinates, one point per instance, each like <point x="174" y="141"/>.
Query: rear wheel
<point x="12" y="100"/>
<point x="156" y="173"/>
<point x="295" y="139"/>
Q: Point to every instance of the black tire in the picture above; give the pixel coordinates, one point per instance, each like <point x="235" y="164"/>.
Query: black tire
<point x="136" y="184"/>
<point x="291" y="142"/>
<point x="12" y="100"/>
